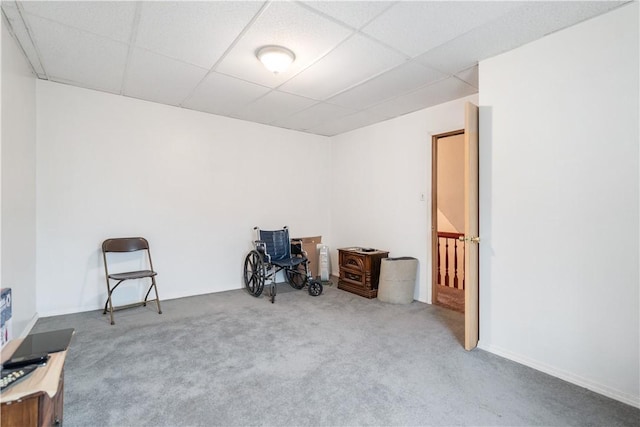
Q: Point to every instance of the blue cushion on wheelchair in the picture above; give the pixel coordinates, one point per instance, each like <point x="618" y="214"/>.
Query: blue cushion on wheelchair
<point x="277" y="244"/>
<point x="278" y="247"/>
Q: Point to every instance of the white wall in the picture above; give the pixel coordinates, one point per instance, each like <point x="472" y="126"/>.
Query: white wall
<point x="559" y="154"/>
<point x="18" y="174"/>
<point x="378" y="176"/>
<point x="193" y="184"/>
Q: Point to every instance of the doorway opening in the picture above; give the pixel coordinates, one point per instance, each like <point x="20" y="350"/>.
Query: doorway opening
<point x="448" y="220"/>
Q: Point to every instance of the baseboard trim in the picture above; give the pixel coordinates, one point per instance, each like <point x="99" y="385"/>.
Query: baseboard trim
<point x="623" y="397"/>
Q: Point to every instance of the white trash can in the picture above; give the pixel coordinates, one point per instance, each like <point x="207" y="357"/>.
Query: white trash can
<point x="397" y="280"/>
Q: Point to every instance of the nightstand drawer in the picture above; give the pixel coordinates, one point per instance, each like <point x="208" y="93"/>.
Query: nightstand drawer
<point x="353" y="262"/>
<point x="355" y="278"/>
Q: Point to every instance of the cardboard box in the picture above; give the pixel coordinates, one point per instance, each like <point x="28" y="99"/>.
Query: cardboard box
<point x="6" y="328"/>
<point x="310" y="246"/>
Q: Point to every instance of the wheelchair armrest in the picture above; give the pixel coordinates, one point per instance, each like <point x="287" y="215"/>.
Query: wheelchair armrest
<point x="261" y="247"/>
<point x="296" y="247"/>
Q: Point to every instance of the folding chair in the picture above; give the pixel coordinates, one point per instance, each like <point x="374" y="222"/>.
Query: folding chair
<point x="128" y="244"/>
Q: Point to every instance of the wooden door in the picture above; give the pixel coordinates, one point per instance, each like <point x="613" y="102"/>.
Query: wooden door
<point x="471" y="228"/>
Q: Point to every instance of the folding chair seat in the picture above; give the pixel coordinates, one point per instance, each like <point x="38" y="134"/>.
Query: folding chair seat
<point x="128" y="244"/>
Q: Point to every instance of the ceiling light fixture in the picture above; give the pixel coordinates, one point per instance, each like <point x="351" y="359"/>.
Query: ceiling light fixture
<point x="275" y="58"/>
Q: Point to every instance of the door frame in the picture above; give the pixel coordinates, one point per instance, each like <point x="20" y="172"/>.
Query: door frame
<point x="434" y="208"/>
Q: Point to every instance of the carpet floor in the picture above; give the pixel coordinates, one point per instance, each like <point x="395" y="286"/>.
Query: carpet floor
<point x="229" y="359"/>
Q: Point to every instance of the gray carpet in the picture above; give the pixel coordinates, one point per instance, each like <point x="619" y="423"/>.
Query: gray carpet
<point x="230" y="359"/>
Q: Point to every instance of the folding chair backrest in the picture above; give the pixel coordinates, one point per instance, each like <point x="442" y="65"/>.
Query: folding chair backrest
<point x="126" y="244"/>
<point x="277" y="243"/>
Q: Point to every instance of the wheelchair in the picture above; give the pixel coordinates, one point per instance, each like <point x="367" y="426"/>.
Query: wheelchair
<point x="274" y="252"/>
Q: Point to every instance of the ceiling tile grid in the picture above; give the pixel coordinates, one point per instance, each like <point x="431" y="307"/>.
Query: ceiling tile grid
<point x="357" y="62"/>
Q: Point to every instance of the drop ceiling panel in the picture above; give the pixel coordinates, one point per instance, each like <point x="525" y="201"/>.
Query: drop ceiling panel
<point x="428" y="96"/>
<point x="313" y="116"/>
<point x="347" y="123"/>
<point x="273" y="106"/>
<point x="357" y="59"/>
<point x="307" y="34"/>
<point x="112" y="19"/>
<point x="415" y="27"/>
<point x="75" y="56"/>
<point x="536" y="19"/>
<point x="220" y="94"/>
<point x="160" y="79"/>
<point x="353" y="13"/>
<point x="470" y="76"/>
<point x="468" y="49"/>
<point x="397" y="81"/>
<point x="21" y="34"/>
<point x="194" y="32"/>
<point x="521" y="25"/>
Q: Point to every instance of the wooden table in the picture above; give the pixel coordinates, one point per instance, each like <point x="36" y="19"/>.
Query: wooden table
<point x="38" y="399"/>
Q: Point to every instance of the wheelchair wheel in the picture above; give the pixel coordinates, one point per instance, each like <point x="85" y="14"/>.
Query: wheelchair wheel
<point x="297" y="276"/>
<point x="254" y="273"/>
<point x="315" y="288"/>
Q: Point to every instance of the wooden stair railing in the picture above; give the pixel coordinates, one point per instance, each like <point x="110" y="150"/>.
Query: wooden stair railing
<point x="451" y="239"/>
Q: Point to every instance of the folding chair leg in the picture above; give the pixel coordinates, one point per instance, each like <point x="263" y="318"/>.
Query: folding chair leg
<point x="110" y="304"/>
<point x="155" y="288"/>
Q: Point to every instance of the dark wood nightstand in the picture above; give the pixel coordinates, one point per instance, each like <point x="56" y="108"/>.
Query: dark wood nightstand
<point x="360" y="270"/>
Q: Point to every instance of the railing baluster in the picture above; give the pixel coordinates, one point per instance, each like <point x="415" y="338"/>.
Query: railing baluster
<point x="439" y="281"/>
<point x="458" y="279"/>
<point x="455" y="263"/>
<point x="446" y="263"/>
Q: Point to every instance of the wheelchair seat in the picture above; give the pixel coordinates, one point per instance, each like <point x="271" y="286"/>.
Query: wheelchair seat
<point x="291" y="262"/>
